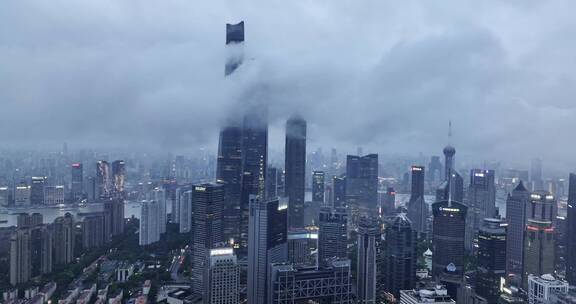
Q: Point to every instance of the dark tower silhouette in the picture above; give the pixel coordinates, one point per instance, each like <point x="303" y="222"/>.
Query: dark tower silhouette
<point x="516" y="218"/>
<point x="399" y="255"/>
<point x="362" y="182"/>
<point x="571" y="231"/>
<point x="417" y="207"/>
<point x="295" y="167"/>
<point x="229" y="163"/>
<point x="491" y="267"/>
<point x="449" y="231"/>
<point x="449" y="153"/>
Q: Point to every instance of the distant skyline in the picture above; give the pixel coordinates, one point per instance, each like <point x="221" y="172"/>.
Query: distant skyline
<point x="383" y="75"/>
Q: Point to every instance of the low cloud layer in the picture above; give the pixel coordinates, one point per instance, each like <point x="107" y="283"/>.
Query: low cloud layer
<point x="385" y="75"/>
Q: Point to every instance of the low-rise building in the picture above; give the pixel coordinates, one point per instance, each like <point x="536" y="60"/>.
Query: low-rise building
<point x="541" y="287"/>
<point x="437" y="294"/>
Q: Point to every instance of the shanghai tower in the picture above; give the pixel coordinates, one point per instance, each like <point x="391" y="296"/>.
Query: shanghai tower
<point x="229" y="165"/>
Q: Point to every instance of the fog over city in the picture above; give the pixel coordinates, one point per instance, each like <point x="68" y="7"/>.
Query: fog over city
<point x="384" y="75"/>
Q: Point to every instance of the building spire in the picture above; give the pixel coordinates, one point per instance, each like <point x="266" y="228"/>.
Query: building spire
<point x="449" y="130"/>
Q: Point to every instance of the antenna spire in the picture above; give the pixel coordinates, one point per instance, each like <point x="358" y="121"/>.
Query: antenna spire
<point x="449" y="129"/>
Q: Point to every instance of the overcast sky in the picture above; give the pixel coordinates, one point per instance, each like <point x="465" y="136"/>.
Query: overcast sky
<point x="382" y="74"/>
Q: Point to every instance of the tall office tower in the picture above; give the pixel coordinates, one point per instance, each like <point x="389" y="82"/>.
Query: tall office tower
<point x="53" y="195"/>
<point x="22" y="195"/>
<point x="339" y="191"/>
<point x="481" y="202"/>
<point x="399" y="255"/>
<point x="20" y="256"/>
<point x="234" y="47"/>
<point x="222" y="277"/>
<point x="318" y="187"/>
<point x="64" y="237"/>
<point x="41" y="246"/>
<point x="536" y="174"/>
<point x="332" y="234"/>
<point x="149" y="232"/>
<point x="362" y="182"/>
<point x="517" y="205"/>
<point x="103" y="182"/>
<point x="435" y="169"/>
<point x="571" y="231"/>
<point x="185" y="213"/>
<point x="4" y="196"/>
<point x="539" y="236"/>
<point x="207" y="209"/>
<point x="159" y="195"/>
<point x="272" y="182"/>
<point x="368" y="232"/>
<point x="37" y="190"/>
<point x="94" y="230"/>
<point x="229" y="173"/>
<point x="118" y="178"/>
<point x="329" y="284"/>
<point x="417" y="207"/>
<point x="91" y="190"/>
<point x="77" y="185"/>
<point x="255" y="152"/>
<point x="295" y="167"/>
<point x="448" y="235"/>
<point x="302" y="247"/>
<point x="115" y="209"/>
<point x="267" y="244"/>
<point x="491" y="268"/>
<point x="456" y="188"/>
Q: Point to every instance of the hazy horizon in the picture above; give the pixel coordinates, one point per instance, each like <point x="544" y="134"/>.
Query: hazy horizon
<point x="383" y="75"/>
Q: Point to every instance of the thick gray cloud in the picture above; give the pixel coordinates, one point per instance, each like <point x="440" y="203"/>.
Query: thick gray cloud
<point x="386" y="75"/>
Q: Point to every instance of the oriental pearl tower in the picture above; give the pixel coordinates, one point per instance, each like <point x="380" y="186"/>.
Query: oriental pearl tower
<point x="449" y="153"/>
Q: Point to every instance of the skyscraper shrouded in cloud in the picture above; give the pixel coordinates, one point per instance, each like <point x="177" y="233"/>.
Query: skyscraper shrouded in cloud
<point x="267" y="244"/>
<point x="417" y="208"/>
<point x="229" y="163"/>
<point x="571" y="231"/>
<point x="295" y="167"/>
